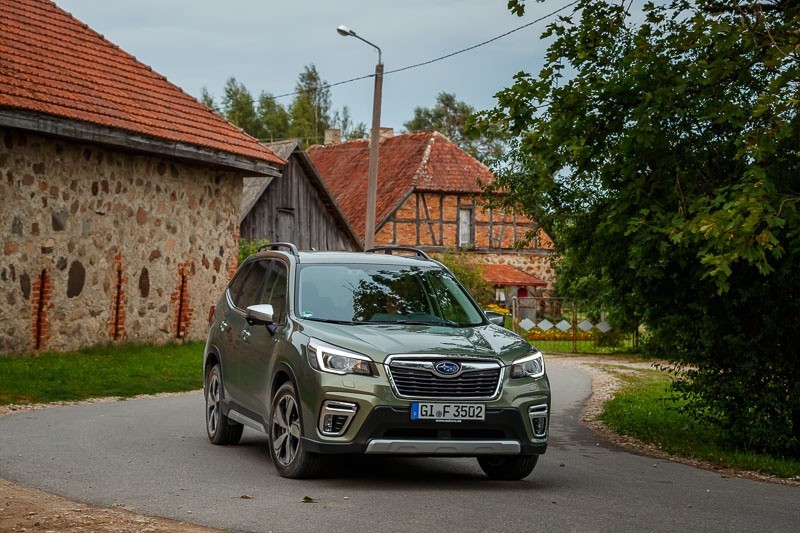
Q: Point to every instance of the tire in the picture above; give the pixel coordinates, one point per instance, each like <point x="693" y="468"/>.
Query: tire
<point x="220" y="429"/>
<point x="508" y="467"/>
<point x="285" y="432"/>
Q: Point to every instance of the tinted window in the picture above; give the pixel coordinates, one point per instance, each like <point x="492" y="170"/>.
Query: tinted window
<point x="235" y="286"/>
<point x="275" y="291"/>
<point x="250" y="293"/>
<point x="380" y="294"/>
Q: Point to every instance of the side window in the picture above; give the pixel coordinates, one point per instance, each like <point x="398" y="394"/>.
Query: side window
<point x="250" y="293"/>
<point x="275" y="291"/>
<point x="236" y="283"/>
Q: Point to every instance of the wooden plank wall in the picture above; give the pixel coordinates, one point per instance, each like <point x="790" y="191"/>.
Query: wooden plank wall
<point x="292" y="210"/>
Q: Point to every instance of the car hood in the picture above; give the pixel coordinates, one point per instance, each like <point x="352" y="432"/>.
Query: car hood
<point x="380" y="341"/>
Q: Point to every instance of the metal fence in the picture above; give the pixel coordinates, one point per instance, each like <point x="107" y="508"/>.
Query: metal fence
<point x="564" y="325"/>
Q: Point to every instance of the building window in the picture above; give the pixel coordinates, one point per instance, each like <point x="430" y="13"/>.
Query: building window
<point x="465" y="226"/>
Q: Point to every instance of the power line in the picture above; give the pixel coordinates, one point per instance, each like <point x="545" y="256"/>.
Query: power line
<point x="441" y="58"/>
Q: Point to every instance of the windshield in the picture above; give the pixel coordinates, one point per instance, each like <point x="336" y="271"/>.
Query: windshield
<point x="380" y="294"/>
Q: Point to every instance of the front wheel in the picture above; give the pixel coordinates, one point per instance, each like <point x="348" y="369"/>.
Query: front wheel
<point x="285" y="432"/>
<point x="220" y="429"/>
<point x="508" y="467"/>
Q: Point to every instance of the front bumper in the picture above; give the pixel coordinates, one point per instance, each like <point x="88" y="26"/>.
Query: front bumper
<point x="390" y="430"/>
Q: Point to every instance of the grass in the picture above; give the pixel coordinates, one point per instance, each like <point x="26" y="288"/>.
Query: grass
<point x="582" y="347"/>
<point x="116" y="370"/>
<point x="644" y="409"/>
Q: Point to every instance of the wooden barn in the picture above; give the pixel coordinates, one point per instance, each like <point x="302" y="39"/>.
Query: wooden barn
<point x="295" y="207"/>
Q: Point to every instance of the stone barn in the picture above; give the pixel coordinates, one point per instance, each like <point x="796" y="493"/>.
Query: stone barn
<point x="120" y="193"/>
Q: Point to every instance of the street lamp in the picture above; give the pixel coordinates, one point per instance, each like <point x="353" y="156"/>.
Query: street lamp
<point x="372" y="184"/>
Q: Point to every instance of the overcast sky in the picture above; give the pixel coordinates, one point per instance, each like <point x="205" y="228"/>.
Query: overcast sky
<point x="265" y="44"/>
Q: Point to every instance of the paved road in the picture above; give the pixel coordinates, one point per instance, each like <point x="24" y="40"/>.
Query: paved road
<point x="153" y="457"/>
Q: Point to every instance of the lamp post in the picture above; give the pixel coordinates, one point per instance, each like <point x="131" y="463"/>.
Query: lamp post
<point x="372" y="183"/>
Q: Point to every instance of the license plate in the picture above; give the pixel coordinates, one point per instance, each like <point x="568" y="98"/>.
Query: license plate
<point x="447" y="411"/>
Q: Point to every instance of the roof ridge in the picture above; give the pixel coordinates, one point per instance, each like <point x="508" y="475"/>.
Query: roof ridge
<point x="422" y="169"/>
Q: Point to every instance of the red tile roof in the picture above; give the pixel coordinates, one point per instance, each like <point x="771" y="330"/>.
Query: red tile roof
<point x="53" y="64"/>
<point x="507" y="275"/>
<point x="413" y="161"/>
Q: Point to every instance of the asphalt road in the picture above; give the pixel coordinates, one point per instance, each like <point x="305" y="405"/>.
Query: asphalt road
<point x="152" y="456"/>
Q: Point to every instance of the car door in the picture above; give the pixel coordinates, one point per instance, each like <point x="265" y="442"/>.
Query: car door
<point x="240" y="330"/>
<point x="259" y="341"/>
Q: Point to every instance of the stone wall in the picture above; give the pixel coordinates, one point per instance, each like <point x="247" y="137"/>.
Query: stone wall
<point x="100" y="245"/>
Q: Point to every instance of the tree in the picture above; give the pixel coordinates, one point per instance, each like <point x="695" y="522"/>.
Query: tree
<point x="273" y="117"/>
<point x="310" y="109"/>
<point x="208" y="100"/>
<point x="661" y="150"/>
<point x="453" y="119"/>
<point x="238" y="107"/>
<point x="344" y="122"/>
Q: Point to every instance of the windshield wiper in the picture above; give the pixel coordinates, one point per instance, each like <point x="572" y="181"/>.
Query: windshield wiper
<point x="333" y="321"/>
<point x="439" y="322"/>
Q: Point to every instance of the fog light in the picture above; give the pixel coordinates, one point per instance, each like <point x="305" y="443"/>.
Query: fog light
<point x="335" y="417"/>
<point x="538" y="416"/>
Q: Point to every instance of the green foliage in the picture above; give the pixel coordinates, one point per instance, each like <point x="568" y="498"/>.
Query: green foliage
<point x="344" y="122"/>
<point x="239" y="107"/>
<point x="122" y="370"/>
<point x="310" y="110"/>
<point x="470" y="276"/>
<point x="249" y="247"/>
<point x="646" y="410"/>
<point x="454" y="120"/>
<point x="661" y="151"/>
<point x="274" y="118"/>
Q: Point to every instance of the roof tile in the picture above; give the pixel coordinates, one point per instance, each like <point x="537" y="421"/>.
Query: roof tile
<point x="426" y="161"/>
<point x="507" y="275"/>
<point x="52" y="63"/>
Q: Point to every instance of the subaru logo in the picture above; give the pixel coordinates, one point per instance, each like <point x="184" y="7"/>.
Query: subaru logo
<point x="447" y="368"/>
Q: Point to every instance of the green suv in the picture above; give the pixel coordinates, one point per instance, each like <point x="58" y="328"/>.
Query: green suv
<point x="379" y="353"/>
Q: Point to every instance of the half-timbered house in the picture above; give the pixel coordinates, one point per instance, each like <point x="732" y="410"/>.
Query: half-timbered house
<point x="427" y="190"/>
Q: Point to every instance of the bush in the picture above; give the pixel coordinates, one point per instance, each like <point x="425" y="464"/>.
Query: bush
<point x="470" y="275"/>
<point x="249" y="247"/>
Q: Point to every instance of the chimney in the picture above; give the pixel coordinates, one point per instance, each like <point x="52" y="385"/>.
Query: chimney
<point x="333" y="137"/>
<point x="386" y="133"/>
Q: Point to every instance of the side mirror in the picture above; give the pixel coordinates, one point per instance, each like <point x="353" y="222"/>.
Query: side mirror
<point x="495" y="318"/>
<point x="260" y="313"/>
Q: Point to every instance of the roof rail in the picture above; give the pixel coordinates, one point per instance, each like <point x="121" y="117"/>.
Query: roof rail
<point x="275" y="245"/>
<point x="389" y="249"/>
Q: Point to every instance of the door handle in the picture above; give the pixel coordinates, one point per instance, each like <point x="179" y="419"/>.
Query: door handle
<point x="246" y="334"/>
<point x="224" y="326"/>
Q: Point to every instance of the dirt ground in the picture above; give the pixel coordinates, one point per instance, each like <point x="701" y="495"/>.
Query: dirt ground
<point x="28" y="509"/>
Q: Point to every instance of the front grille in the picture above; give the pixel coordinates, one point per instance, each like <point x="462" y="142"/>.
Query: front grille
<point x="418" y="379"/>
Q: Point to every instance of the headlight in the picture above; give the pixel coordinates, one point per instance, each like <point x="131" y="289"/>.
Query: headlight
<point x="532" y="365"/>
<point x="337" y="361"/>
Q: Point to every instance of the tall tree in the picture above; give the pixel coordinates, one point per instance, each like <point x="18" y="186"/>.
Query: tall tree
<point x="344" y="122"/>
<point x="453" y="119"/>
<point x="661" y="149"/>
<point x="207" y="99"/>
<point x="273" y="117"/>
<point x="238" y="107"/>
<point x="310" y="109"/>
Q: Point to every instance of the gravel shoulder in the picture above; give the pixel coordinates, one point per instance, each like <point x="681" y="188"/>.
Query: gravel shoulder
<point x="27" y="509"/>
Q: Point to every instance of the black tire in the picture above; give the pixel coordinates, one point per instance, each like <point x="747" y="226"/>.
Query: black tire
<point x="508" y="467"/>
<point x="220" y="429"/>
<point x="285" y="432"/>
